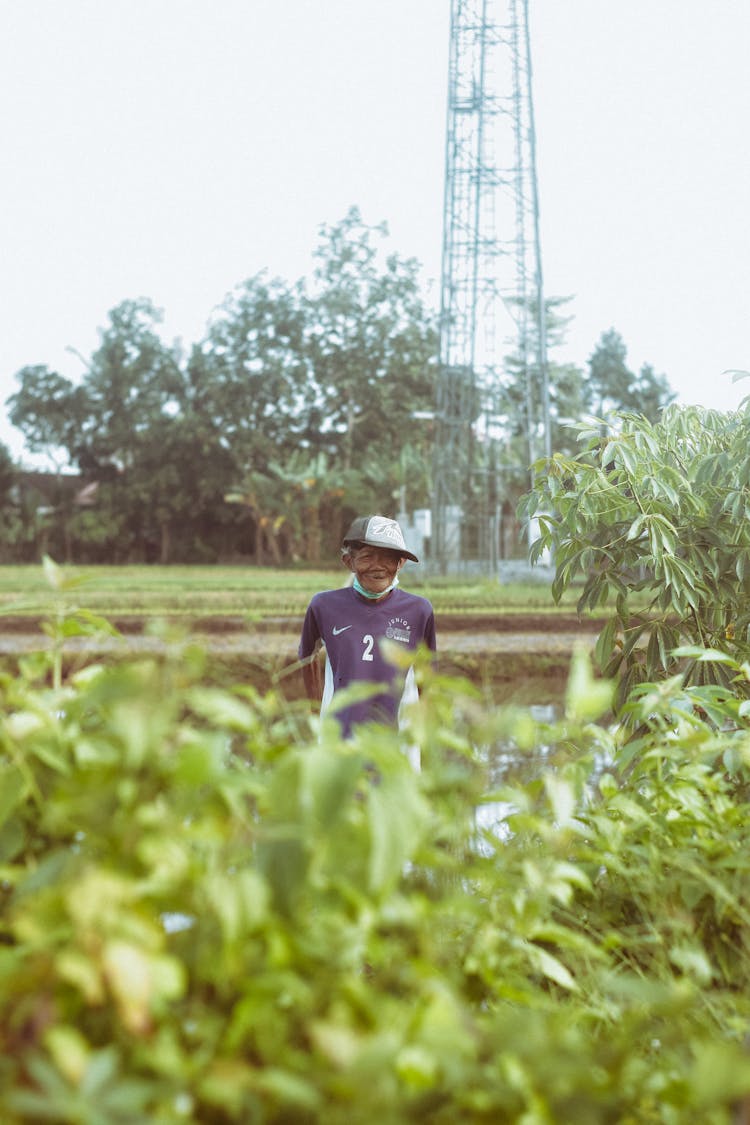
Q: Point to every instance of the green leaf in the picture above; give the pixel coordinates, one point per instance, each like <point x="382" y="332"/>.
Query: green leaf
<point x="552" y="968"/>
<point x="636" y="526"/>
<point x="605" y="643"/>
<point x="562" y="798"/>
<point x="397" y="818"/>
<point x="53" y="573"/>
<point x="585" y="697"/>
<point x="222" y="708"/>
<point x="719" y="1075"/>
<point x="289" y="1089"/>
<point x="705" y="655"/>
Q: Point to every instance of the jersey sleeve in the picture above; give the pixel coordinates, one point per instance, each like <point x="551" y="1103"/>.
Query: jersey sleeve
<point x="430" y="637"/>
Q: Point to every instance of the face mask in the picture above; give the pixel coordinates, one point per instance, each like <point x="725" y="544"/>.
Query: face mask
<point x="366" y="593"/>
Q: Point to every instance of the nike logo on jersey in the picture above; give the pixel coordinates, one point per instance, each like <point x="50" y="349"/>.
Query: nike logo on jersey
<point x="341" y="630"/>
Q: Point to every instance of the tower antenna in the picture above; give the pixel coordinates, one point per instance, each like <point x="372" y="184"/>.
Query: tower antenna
<point x="492" y="298"/>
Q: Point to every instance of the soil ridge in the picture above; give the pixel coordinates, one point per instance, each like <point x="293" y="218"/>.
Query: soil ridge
<point x="458" y="622"/>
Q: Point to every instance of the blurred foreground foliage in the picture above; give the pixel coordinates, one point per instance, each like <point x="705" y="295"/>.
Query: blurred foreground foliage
<point x="212" y="910"/>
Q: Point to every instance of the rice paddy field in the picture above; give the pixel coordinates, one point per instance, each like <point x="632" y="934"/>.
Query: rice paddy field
<point x="510" y="639"/>
<point x="254" y="594"/>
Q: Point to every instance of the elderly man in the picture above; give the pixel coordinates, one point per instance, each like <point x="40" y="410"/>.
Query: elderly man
<point x="352" y="621"/>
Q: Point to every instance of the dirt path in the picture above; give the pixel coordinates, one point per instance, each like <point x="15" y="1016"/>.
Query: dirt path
<point x="284" y="644"/>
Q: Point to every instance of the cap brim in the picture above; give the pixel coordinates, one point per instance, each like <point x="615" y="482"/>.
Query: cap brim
<point x="400" y="551"/>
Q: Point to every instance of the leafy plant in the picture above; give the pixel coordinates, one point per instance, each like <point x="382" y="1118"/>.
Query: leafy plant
<point x="213" y="910"/>
<point x="653" y="519"/>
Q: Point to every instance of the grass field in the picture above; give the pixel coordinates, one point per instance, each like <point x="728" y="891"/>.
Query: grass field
<point x="249" y="592"/>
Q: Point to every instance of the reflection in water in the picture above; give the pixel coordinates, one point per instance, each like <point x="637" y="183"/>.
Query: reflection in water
<point x="503" y="761"/>
<point x="506" y="764"/>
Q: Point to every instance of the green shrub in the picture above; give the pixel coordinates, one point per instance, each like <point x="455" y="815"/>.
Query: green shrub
<point x="654" y="519"/>
<point x="215" y="911"/>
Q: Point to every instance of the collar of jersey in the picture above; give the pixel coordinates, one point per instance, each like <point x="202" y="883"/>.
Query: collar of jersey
<point x="366" y="594"/>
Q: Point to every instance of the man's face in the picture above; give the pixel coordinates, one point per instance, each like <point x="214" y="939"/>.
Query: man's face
<point x="375" y="567"/>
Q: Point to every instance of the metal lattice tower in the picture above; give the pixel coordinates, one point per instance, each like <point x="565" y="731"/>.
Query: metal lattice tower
<point x="491" y="290"/>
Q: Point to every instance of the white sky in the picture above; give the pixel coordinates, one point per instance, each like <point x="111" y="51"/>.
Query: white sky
<point x="173" y="148"/>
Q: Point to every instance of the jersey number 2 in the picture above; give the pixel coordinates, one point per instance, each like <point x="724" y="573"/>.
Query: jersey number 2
<point x="368" y="641"/>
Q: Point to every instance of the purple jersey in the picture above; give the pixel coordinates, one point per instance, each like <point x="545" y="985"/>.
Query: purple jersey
<point x="351" y="628"/>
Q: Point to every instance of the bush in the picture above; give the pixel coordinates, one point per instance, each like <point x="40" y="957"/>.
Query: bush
<point x="213" y="911"/>
<point x="653" y="519"/>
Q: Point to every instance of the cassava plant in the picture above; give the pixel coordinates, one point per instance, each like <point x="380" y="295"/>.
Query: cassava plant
<point x="653" y="519"/>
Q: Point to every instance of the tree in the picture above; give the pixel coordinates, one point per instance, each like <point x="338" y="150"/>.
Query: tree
<point x="252" y="379"/>
<point x="328" y="378"/>
<point x="655" y="518"/>
<point x="651" y="393"/>
<point x="372" y="349"/>
<point x="11" y="528"/>
<point x="611" y="386"/>
<point x="133" y="383"/>
<point x="50" y="411"/>
<point x="608" y="386"/>
<point x="319" y="385"/>
<point x="135" y="432"/>
<point x="8" y="475"/>
<point x="133" y="425"/>
<point x="521" y="399"/>
<point x="298" y="508"/>
<point x="521" y="403"/>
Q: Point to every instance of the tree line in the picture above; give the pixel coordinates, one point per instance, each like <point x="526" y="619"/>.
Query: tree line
<point x="298" y="410"/>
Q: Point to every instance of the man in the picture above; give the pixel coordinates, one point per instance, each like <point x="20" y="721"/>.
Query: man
<point x="352" y="621"/>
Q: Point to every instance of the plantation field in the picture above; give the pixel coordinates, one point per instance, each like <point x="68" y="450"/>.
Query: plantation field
<point x="510" y="640"/>
<point x="248" y="592"/>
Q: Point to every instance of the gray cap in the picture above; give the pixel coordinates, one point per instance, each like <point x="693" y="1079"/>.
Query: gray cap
<point x="378" y="531"/>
